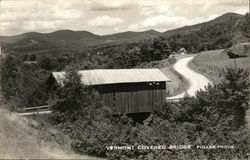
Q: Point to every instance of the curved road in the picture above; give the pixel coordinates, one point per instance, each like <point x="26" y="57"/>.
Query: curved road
<point x="196" y="80"/>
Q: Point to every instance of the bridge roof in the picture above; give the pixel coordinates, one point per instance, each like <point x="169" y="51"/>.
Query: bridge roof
<point x="113" y="76"/>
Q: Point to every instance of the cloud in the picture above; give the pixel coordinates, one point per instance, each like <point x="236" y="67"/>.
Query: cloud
<point x="32" y="15"/>
<point x="105" y="21"/>
<point x="31" y="10"/>
<point x="147" y="10"/>
<point x="213" y="16"/>
<point x="189" y="8"/>
<point x="150" y="9"/>
<point x="39" y="15"/>
<point x="241" y="11"/>
<point x="110" y="5"/>
<point x="38" y="26"/>
<point x="107" y="16"/>
<point x="163" y="22"/>
<point x="134" y="27"/>
<point x="239" y="3"/>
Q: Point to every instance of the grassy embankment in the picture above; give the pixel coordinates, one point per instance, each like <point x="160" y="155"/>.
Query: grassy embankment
<point x="212" y="64"/>
<point x="22" y="137"/>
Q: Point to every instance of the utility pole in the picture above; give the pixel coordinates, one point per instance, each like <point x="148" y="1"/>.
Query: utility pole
<point x="248" y="6"/>
<point x="235" y="65"/>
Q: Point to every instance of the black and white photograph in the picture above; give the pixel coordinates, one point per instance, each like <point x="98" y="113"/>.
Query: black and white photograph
<point x="125" y="79"/>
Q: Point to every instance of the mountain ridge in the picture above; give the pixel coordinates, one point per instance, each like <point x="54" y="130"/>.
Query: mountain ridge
<point x="219" y="19"/>
<point x="87" y="39"/>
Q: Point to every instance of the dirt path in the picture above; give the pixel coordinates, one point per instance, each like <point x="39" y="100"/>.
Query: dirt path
<point x="196" y="80"/>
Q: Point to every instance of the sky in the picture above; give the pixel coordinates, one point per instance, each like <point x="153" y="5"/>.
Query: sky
<point x="109" y="16"/>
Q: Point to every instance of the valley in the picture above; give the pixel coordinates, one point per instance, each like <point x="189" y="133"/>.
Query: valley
<point x="120" y="89"/>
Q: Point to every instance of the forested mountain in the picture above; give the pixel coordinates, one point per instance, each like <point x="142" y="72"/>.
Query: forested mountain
<point x="68" y="35"/>
<point x="222" y="19"/>
<point x="222" y="32"/>
<point x="61" y="35"/>
<point x="228" y="29"/>
<point x="130" y="34"/>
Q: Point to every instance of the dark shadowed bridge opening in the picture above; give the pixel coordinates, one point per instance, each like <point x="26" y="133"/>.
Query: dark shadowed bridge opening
<point x="139" y="117"/>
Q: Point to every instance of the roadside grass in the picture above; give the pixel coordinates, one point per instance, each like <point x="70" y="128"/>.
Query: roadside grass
<point x="214" y="77"/>
<point x="213" y="63"/>
<point x="178" y="57"/>
<point x="220" y="59"/>
<point x="177" y="85"/>
<point x="25" y="138"/>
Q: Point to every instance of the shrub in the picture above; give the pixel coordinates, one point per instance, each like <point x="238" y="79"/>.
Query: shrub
<point x="213" y="117"/>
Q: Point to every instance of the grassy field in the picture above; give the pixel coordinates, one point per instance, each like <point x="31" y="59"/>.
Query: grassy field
<point x="212" y="64"/>
<point x="220" y="59"/>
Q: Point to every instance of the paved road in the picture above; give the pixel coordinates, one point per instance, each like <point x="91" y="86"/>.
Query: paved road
<point x="196" y="80"/>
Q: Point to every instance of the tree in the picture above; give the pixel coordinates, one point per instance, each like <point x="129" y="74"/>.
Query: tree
<point x="25" y="57"/>
<point x="47" y="62"/>
<point x="229" y="98"/>
<point x="132" y="57"/>
<point x="74" y="99"/>
<point x="162" y="48"/>
<point x="33" y="57"/>
<point x="71" y="98"/>
<point x="12" y="82"/>
<point x="236" y="90"/>
<point x="155" y="49"/>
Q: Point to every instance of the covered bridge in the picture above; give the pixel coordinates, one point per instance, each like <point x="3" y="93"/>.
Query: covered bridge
<point x="124" y="90"/>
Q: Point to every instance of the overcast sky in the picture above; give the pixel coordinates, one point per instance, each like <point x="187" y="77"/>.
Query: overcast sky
<point x="110" y="16"/>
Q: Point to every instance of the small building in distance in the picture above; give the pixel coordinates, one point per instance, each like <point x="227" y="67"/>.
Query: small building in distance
<point x="123" y="90"/>
<point x="181" y="51"/>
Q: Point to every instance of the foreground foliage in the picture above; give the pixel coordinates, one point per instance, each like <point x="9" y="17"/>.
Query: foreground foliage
<point x="215" y="117"/>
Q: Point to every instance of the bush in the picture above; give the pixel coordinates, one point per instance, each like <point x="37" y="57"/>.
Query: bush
<point x="47" y="62"/>
<point x="213" y="117"/>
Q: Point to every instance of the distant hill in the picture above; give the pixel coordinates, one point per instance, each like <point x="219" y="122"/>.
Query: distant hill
<point x="130" y="34"/>
<point x="222" y="19"/>
<point x="28" y="42"/>
<point x="219" y="32"/>
<point x="68" y="35"/>
<point x="74" y="36"/>
<point x="61" y="35"/>
<point x="33" y="41"/>
<point x="16" y="38"/>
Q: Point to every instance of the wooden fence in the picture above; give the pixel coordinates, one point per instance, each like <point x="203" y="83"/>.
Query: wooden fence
<point x="209" y="67"/>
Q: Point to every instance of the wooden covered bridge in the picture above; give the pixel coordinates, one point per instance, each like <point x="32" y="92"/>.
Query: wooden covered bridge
<point x="123" y="90"/>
